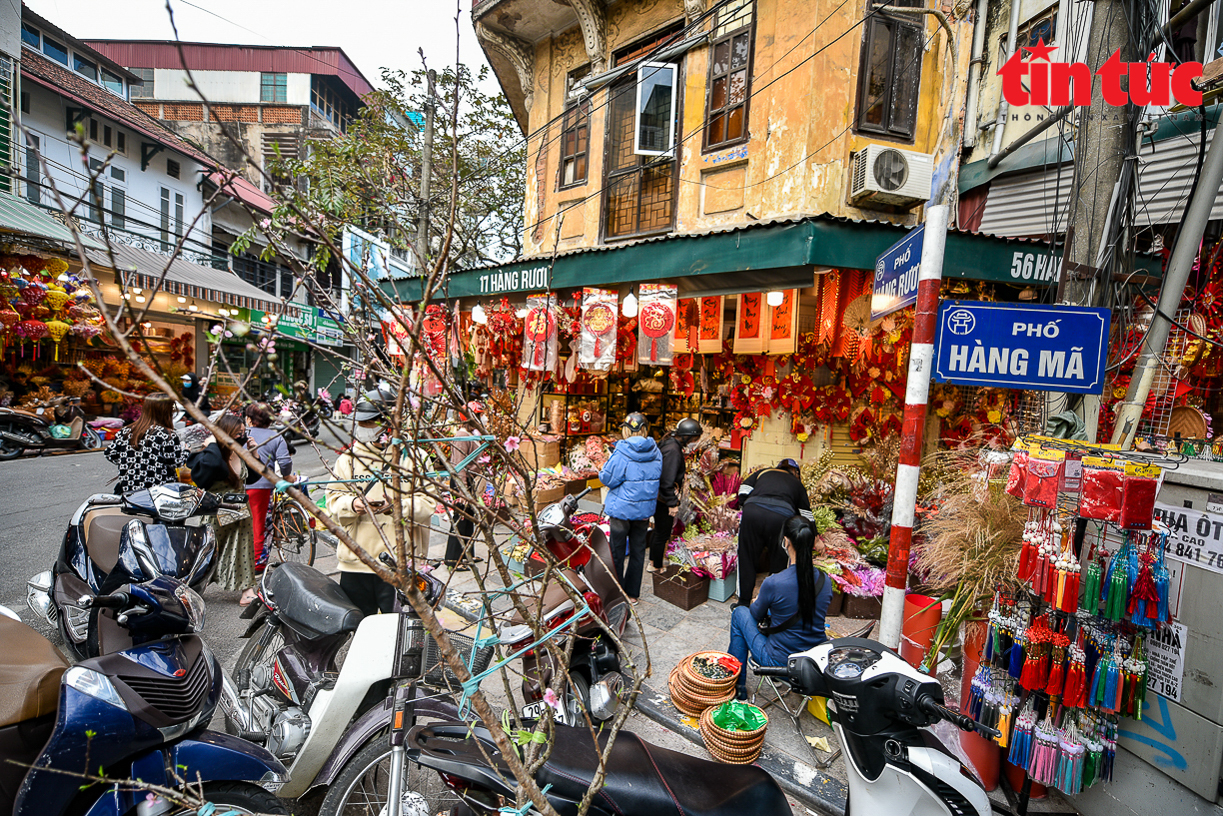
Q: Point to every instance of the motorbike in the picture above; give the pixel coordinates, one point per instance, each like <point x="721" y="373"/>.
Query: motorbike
<point x="595" y="681"/>
<point x="110" y="538"/>
<point x="139" y="713"/>
<point x="324" y="405"/>
<point x="56" y="425"/>
<point x="288" y="692"/>
<point x="881" y="709"/>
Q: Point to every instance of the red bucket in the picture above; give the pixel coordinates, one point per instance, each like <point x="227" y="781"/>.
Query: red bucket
<point x="922" y="615"/>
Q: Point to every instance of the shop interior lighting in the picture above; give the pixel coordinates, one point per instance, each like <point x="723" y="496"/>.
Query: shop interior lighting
<point x="478" y="315"/>
<point x="630" y="305"/>
<point x="193" y="307"/>
<point x="775" y="298"/>
<point x="127" y="296"/>
<point x="223" y="312"/>
<point x="182" y="299"/>
<point x="140" y="298"/>
<point x="137" y="289"/>
<point x="521" y="313"/>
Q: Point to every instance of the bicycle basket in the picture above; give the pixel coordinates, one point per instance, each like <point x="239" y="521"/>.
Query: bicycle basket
<point x="436" y="671"/>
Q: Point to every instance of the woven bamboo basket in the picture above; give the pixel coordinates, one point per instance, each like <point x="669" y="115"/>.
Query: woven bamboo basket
<point x="696" y="681"/>
<point x="692" y="702"/>
<point x="734" y="747"/>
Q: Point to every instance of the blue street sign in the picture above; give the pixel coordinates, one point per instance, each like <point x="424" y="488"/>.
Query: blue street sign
<point x="896" y="275"/>
<point x="1007" y="345"/>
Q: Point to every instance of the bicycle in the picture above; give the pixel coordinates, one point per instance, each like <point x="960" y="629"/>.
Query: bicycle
<point x="291" y="533"/>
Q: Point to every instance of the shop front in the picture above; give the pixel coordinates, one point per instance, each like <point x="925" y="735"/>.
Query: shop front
<point x="307" y="344"/>
<point x="763" y="332"/>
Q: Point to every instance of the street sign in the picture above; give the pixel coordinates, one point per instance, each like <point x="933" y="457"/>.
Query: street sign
<point x="1007" y="345"/>
<point x="896" y="275"/>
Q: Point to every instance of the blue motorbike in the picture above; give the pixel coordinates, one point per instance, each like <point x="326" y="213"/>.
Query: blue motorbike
<point x="136" y="717"/>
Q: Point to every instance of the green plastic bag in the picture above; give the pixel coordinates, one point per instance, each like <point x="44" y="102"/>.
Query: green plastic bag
<point x="736" y="716"/>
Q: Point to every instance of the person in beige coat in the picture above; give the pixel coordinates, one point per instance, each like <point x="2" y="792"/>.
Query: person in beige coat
<point x="365" y="512"/>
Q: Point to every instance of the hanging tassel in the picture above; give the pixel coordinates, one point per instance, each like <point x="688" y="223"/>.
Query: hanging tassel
<point x="1015" y="668"/>
<point x="1054" y="686"/>
<point x="1091" y="586"/>
<point x="1112" y="690"/>
<point x="1071" y="602"/>
<point x="1162" y="582"/>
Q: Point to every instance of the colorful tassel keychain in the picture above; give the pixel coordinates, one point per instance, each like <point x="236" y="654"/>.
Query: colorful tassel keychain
<point x="1144" y="600"/>
<point x="1035" y="672"/>
<point x="1027" y="554"/>
<point x="1057" y="661"/>
<point x="1066" y="596"/>
<point x="1021" y="738"/>
<point x="1043" y="765"/>
<point x="1093" y="573"/>
<point x="1071" y="753"/>
<point x="1015" y="663"/>
<point x="1135" y="683"/>
<point x="1117" y="584"/>
<point x="1074" y="693"/>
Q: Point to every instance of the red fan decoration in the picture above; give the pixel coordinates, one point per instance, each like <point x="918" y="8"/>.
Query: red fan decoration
<point x="600" y="319"/>
<point x="540" y="324"/>
<point x="656" y="321"/>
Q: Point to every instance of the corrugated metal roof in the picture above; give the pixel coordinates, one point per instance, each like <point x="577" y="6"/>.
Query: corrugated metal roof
<point x="1033" y="204"/>
<point x="16" y="216"/>
<point x="233" y="185"/>
<point x="324" y="60"/>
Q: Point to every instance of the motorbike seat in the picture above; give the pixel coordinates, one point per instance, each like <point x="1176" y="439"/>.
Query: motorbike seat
<point x="78" y="426"/>
<point x="309" y="601"/>
<point x="641" y="778"/>
<point x="30" y="671"/>
<point x="103" y="528"/>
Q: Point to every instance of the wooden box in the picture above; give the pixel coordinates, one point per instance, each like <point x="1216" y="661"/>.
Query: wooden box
<point x="837" y="605"/>
<point x="862" y="608"/>
<point x="684" y="589"/>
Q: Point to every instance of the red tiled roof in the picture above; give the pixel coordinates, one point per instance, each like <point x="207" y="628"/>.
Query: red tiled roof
<point x="231" y="184"/>
<point x="52" y="75"/>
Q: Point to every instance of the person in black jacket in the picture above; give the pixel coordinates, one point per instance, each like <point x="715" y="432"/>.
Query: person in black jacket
<point x="193" y="392"/>
<point x="670" y="484"/>
<point x="767" y="498"/>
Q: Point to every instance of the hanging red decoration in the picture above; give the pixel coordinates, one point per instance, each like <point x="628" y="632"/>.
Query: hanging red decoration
<point x="600" y="321"/>
<point x="540" y="324"/>
<point x="657" y="320"/>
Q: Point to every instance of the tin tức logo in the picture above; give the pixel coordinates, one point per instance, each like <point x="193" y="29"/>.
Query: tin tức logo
<point x="1069" y="83"/>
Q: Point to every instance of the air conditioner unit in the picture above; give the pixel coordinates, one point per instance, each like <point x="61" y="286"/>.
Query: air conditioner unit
<point x="886" y="175"/>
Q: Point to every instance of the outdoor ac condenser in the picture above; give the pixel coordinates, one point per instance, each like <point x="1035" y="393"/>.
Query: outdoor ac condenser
<point x="886" y="175"/>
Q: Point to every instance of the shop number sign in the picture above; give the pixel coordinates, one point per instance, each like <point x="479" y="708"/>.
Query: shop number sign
<point x="1166" y="660"/>
<point x="1194" y="536"/>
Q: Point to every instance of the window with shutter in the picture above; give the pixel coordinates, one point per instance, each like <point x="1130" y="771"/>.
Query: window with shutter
<point x="730" y="72"/>
<point x="889" y="83"/>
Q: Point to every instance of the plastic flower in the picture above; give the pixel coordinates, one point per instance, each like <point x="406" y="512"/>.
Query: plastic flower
<point x="994" y="416"/>
<point x="512" y="443"/>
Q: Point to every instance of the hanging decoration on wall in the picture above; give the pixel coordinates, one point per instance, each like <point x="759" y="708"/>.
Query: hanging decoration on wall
<point x="687" y="326"/>
<point x="783" y="324"/>
<point x="711" y="325"/>
<point x="656" y="319"/>
<point x="539" y="334"/>
<point x="749" y="329"/>
<point x="597" y="350"/>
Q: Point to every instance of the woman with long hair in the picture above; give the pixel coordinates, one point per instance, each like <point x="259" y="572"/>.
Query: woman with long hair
<point x="220" y="470"/>
<point x="148" y="452"/>
<point x="788" y="614"/>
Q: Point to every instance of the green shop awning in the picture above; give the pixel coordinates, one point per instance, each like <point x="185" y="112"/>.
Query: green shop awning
<point x="19" y="219"/>
<point x="750" y="258"/>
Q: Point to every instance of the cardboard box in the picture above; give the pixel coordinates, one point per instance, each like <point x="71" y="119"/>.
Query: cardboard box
<point x="539" y="453"/>
<point x="549" y="496"/>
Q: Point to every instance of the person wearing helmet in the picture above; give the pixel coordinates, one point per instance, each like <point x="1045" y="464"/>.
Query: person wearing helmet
<point x="462" y="524"/>
<point x="669" y="485"/>
<point x="631" y="477"/>
<point x="768" y="498"/>
<point x="365" y="510"/>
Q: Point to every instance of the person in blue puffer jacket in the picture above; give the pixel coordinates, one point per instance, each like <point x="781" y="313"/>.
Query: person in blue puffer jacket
<point x="631" y="476"/>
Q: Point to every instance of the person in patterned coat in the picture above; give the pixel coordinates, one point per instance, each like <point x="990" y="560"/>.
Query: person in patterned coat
<point x="148" y="452"/>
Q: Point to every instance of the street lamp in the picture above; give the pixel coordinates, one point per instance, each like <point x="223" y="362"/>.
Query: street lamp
<point x="775" y="298"/>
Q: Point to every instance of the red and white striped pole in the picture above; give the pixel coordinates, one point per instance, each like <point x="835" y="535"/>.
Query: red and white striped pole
<point x="917" y="393"/>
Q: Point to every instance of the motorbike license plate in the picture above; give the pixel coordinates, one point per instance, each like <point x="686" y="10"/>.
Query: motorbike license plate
<point x="535" y="711"/>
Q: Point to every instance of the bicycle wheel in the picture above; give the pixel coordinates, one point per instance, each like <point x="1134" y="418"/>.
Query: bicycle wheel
<point x="289" y="534"/>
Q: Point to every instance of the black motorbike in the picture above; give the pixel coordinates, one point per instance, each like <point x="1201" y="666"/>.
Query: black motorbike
<point x="56" y="425"/>
<point x="163" y="530"/>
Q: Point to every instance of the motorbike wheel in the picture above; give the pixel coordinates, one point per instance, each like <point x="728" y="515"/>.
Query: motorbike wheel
<point x="364" y="783"/>
<point x="244" y="797"/>
<point x="9" y="449"/>
<point x="91" y="439"/>
<point x="578" y="698"/>
<point x="289" y="535"/>
<point x="325" y="411"/>
<point x="259" y="649"/>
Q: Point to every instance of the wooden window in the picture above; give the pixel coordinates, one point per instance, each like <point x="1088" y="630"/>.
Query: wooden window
<point x="118" y="208"/>
<point x="890" y="78"/>
<point x="144" y="90"/>
<point x="33" y="171"/>
<point x="639" y="191"/>
<point x="730" y="75"/>
<point x="575" y="134"/>
<point x="173" y="168"/>
<point x="273" y="87"/>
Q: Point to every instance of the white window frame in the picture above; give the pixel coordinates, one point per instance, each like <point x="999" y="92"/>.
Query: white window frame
<point x="669" y="139"/>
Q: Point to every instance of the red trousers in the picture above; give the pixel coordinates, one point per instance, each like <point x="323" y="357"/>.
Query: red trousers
<point x="259" y="500"/>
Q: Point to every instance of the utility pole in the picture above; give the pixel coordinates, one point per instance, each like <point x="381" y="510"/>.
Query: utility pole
<point x="1106" y="140"/>
<point x="913" y="426"/>
<point x="1188" y="239"/>
<point x="426" y="175"/>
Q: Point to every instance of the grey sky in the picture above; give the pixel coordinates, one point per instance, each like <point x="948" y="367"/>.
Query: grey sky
<point x="374" y="33"/>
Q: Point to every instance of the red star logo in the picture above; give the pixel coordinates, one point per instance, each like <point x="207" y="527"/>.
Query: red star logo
<point x="1039" y="51"/>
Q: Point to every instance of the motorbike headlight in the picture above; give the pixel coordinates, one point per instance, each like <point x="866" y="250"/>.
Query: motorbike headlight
<point x="95" y="685"/>
<point x="193" y="604"/>
<point x="175" y="504"/>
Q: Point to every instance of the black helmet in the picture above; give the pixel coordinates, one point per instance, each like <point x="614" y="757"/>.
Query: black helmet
<point x="365" y="410"/>
<point x="688" y="428"/>
<point x="635" y="422"/>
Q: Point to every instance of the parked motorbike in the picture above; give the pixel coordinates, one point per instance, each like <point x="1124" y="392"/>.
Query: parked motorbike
<point x="881" y="709"/>
<point x="595" y="681"/>
<point x="324" y="405"/>
<point x="139" y="714"/>
<point x="288" y="692"/>
<point x="55" y="425"/>
<point x="110" y="540"/>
